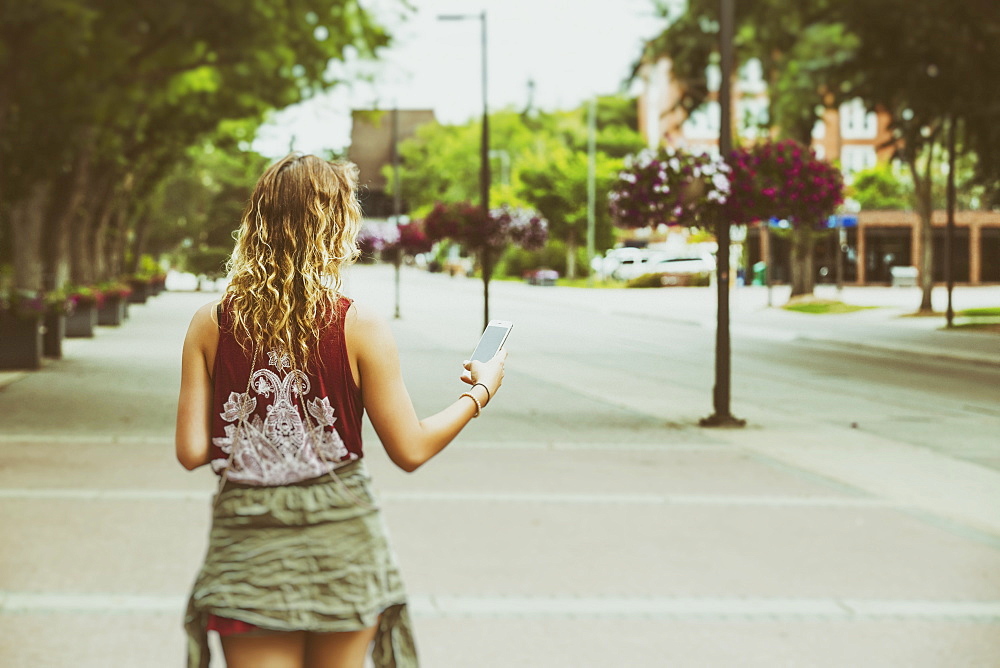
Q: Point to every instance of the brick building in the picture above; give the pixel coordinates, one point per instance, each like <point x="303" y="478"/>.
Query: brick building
<point x="372" y="135"/>
<point x="858" y="139"/>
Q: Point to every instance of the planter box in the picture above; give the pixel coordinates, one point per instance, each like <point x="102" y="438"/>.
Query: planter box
<point x="81" y="322"/>
<point x="55" y="331"/>
<point x="112" y="311"/>
<point x="20" y="342"/>
<point x="140" y="292"/>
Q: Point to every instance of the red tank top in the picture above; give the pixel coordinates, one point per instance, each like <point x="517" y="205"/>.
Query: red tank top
<point x="285" y="425"/>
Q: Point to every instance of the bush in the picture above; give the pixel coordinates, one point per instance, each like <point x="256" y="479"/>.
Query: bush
<point x="662" y="280"/>
<point x="210" y="261"/>
<point x="515" y="262"/>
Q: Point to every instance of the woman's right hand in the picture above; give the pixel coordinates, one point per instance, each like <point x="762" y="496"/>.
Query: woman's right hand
<point x="489" y="373"/>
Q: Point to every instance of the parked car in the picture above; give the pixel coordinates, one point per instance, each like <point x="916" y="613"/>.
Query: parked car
<point x="606" y="265"/>
<point x="694" y="264"/>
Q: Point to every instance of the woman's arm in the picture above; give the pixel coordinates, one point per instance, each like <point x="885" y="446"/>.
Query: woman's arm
<point x="409" y="441"/>
<point x="194" y="405"/>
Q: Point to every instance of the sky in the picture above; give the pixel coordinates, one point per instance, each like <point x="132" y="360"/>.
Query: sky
<point x="570" y="49"/>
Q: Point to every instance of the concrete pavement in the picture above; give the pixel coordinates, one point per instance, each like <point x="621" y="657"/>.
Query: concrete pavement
<point x="580" y="522"/>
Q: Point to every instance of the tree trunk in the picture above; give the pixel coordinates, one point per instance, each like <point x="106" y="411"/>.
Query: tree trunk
<point x="27" y="222"/>
<point x="571" y="254"/>
<point x="922" y="195"/>
<point x="803" y="246"/>
<point x="81" y="262"/>
<point x="116" y="241"/>
<point x="66" y="206"/>
<point x="103" y="211"/>
<point x="138" y="244"/>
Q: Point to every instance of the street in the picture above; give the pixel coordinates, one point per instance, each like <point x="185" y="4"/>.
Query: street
<point x="584" y="520"/>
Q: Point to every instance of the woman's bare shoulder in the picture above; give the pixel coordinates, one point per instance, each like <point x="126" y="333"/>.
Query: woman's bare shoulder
<point x="205" y="321"/>
<point x="365" y="323"/>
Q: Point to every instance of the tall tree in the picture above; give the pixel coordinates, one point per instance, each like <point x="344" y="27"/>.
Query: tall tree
<point x="106" y="95"/>
<point x="930" y="63"/>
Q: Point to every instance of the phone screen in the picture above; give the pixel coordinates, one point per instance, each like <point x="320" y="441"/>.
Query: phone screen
<point x="493" y="338"/>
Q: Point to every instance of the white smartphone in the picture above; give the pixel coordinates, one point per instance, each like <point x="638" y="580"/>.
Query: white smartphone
<point x="492" y="340"/>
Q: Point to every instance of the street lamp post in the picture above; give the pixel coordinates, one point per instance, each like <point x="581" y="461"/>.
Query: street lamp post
<point x="721" y="392"/>
<point x="484" y="159"/>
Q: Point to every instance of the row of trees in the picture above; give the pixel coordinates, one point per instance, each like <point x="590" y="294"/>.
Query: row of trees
<point x="539" y="163"/>
<point x="932" y="65"/>
<point x="103" y="103"/>
<point x="783" y="180"/>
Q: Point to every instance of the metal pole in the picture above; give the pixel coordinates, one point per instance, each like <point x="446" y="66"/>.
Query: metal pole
<point x="484" y="180"/>
<point x="397" y="200"/>
<point x="768" y="258"/>
<point x="484" y="163"/>
<point x="721" y="394"/>
<point x="841" y="242"/>
<point x="591" y="185"/>
<point x="949" y="246"/>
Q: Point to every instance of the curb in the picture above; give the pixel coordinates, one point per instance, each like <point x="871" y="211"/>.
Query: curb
<point x="966" y="357"/>
<point x="8" y="377"/>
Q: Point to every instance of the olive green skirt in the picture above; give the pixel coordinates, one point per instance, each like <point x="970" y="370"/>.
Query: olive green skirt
<point x="304" y="557"/>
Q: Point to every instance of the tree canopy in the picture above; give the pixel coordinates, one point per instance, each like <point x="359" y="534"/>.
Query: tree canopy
<point x="101" y="99"/>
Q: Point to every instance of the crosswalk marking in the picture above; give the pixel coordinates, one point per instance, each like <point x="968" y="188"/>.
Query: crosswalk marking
<point x="565" y="498"/>
<point x="569" y="607"/>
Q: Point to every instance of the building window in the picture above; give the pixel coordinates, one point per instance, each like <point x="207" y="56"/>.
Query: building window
<point x="857" y="158"/>
<point x="856" y="122"/>
<point x="752" y="77"/>
<point x="703" y="123"/>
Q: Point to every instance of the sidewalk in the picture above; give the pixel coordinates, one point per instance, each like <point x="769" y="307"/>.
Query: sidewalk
<point x="890" y="326"/>
<point x="572" y="526"/>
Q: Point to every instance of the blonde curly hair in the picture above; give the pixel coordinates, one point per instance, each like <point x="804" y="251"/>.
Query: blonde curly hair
<point x="298" y="232"/>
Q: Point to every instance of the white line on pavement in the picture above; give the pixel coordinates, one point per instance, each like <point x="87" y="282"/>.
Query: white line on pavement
<point x="569" y="607"/>
<point x="52" y="494"/>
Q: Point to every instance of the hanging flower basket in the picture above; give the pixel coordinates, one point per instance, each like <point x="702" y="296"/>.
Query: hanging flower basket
<point x="783" y="180"/>
<point x="669" y="186"/>
<point x="413" y="240"/>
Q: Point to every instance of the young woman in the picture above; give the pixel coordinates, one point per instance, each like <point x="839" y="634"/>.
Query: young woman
<point x="275" y="379"/>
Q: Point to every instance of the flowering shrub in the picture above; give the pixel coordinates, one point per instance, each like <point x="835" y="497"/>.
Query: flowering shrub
<point x="669" y="186"/>
<point x="115" y="289"/>
<point x="525" y="228"/>
<point x="464" y="223"/>
<point x="452" y="221"/>
<point x="782" y="180"/>
<point x="82" y="295"/>
<point x="58" y="302"/>
<point x="375" y="239"/>
<point x="26" y="304"/>
<point x="412" y="238"/>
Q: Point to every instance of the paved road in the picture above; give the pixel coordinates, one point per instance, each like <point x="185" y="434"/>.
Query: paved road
<point x="584" y="521"/>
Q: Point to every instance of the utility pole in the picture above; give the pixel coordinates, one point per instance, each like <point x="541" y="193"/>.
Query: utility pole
<point x="397" y="200"/>
<point x="721" y="392"/>
<point x="591" y="185"/>
<point x="949" y="236"/>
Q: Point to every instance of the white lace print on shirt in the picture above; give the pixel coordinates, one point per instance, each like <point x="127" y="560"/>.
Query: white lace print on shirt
<point x="283" y="448"/>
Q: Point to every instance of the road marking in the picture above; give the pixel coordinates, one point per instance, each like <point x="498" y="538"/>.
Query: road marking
<point x="102" y="439"/>
<point x="566" y="498"/>
<point x="566" y="607"/>
<point x="78" y="438"/>
<point x="613" y="447"/>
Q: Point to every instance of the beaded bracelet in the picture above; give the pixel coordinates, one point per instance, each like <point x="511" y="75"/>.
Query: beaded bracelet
<point x="479" y="406"/>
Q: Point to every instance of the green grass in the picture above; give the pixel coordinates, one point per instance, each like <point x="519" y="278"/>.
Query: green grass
<point x="990" y="311"/>
<point x="585" y="283"/>
<point x="825" y="307"/>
